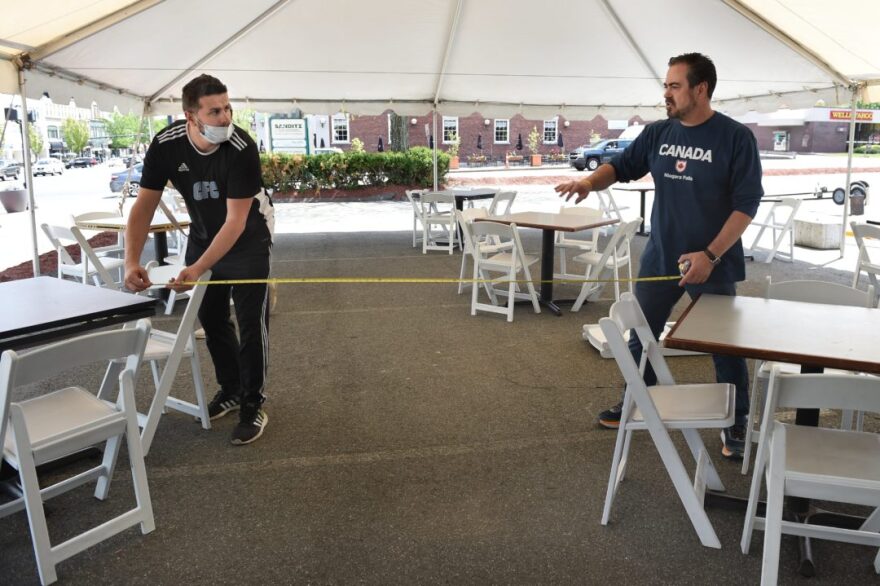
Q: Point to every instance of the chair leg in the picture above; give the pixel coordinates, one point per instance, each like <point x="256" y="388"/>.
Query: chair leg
<point x="586" y="291"/>
<point x="511" y="298"/>
<point x="33" y="501"/>
<point x="773" y="522"/>
<point x="696" y="445"/>
<point x="475" y="290"/>
<point x="461" y="273"/>
<point x="111" y="453"/>
<point x="753" y="418"/>
<point x="199" y="386"/>
<point x="136" y="460"/>
<point x="110" y="382"/>
<point x="616" y="474"/>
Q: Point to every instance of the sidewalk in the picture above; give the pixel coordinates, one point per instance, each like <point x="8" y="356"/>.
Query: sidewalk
<point x="535" y="192"/>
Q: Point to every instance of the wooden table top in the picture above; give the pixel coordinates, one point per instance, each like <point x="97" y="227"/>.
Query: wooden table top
<point x="831" y="336"/>
<point x="551" y="221"/>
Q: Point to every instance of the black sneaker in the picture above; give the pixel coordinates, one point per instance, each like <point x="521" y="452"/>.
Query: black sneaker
<point x="733" y="442"/>
<point x="221" y="404"/>
<point x="251" y="423"/>
<point x="610" y="418"/>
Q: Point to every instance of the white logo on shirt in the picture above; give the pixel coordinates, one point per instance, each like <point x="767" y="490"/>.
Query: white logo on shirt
<point x="680" y="152"/>
<point x="182" y="168"/>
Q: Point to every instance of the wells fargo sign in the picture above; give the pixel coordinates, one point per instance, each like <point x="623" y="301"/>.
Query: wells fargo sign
<point x="861" y="116"/>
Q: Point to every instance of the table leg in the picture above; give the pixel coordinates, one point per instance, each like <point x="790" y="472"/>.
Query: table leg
<point x="641" y="231"/>
<point x="548" y="246"/>
<point x="160" y="244"/>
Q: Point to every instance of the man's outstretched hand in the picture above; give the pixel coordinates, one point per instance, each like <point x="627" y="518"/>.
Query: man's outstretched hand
<point x="579" y="188"/>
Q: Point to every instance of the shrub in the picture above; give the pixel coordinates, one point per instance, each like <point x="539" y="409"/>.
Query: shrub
<point x="351" y="170"/>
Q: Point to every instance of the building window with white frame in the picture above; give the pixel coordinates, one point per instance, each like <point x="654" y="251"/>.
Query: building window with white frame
<point x="551" y="128"/>
<point x="52" y="132"/>
<point x="450" y="129"/>
<point x="340" y="128"/>
<point x="502" y="131"/>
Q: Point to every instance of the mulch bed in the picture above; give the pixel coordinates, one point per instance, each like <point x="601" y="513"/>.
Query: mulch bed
<point x="49" y="260"/>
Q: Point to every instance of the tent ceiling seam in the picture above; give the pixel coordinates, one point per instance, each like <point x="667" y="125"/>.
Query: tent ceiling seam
<point x="224" y="45"/>
<point x="793" y="44"/>
<point x="453" y="27"/>
<point x="629" y="39"/>
<point x="84" y="32"/>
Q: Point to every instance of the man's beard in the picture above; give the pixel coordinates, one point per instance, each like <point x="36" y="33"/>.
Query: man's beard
<point x="672" y="112"/>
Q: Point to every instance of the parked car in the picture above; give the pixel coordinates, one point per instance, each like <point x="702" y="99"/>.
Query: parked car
<point x="48" y="166"/>
<point x="591" y="156"/>
<point x="9" y="169"/>
<point x="326" y="150"/>
<point x="120" y="180"/>
<point x="82" y="162"/>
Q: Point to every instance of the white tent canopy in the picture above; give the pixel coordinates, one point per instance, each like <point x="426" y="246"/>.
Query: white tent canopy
<point x="577" y="58"/>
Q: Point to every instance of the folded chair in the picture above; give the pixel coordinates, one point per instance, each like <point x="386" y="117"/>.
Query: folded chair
<point x="808" y="292"/>
<point x="663" y="407"/>
<point x="780" y="221"/>
<point x="565" y="243"/>
<point x="498" y="249"/>
<point x="814" y="462"/>
<point x="91" y="267"/>
<point x="172" y="347"/>
<point x="69" y="420"/>
<point x="613" y="257"/>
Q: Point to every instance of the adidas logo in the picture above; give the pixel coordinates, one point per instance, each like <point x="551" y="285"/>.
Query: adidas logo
<point x="182" y="168"/>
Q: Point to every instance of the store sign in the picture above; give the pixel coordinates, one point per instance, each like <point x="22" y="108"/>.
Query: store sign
<point x="861" y="115"/>
<point x="288" y="135"/>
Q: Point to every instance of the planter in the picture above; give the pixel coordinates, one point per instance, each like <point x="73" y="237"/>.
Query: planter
<point x="536" y="160"/>
<point x="453" y="162"/>
<point x="14" y="200"/>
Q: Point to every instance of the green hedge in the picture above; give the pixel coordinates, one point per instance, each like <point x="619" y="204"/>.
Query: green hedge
<point x="870" y="149"/>
<point x="351" y="170"/>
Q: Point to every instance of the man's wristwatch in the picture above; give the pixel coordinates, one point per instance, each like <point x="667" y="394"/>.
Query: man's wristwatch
<point x="712" y="258"/>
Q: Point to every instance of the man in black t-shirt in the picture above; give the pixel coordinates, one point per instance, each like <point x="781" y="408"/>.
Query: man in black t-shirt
<point x="216" y="168"/>
<point x="707" y="178"/>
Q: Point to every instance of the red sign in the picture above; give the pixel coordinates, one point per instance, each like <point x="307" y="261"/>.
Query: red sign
<point x="861" y="115"/>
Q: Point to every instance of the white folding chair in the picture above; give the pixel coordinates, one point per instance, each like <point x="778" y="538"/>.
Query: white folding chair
<point x="868" y="240"/>
<point x="115" y="249"/>
<point x="501" y="203"/>
<point x="808" y="292"/>
<point x="91" y="266"/>
<point x="172" y="347"/>
<point x="780" y="221"/>
<point x="613" y="257"/>
<point x="413" y="195"/>
<point x="498" y="249"/>
<point x="565" y="243"/>
<point x="814" y="462"/>
<point x="54" y="425"/>
<point x="438" y="220"/>
<point x="608" y="205"/>
<point x="662" y="407"/>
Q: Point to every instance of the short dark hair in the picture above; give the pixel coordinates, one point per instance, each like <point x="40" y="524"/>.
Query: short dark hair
<point x="203" y="85"/>
<point x="700" y="69"/>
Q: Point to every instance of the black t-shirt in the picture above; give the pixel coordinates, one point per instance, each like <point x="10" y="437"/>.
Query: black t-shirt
<point x="701" y="174"/>
<point x="206" y="181"/>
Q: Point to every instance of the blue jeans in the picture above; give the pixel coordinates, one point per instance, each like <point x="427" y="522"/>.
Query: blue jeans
<point x="657" y="298"/>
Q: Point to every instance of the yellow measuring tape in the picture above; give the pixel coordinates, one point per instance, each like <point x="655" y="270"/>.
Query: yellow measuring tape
<point x="411" y="280"/>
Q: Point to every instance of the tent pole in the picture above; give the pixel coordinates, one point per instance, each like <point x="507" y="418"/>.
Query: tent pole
<point x="434" y="148"/>
<point x="849" y="156"/>
<point x="28" y="175"/>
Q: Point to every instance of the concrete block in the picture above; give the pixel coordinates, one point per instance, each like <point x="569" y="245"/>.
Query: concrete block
<point x="817" y="232"/>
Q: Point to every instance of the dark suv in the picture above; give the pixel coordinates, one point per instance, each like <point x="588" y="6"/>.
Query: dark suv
<point x="9" y="169"/>
<point x="82" y="162"/>
<point x="590" y="157"/>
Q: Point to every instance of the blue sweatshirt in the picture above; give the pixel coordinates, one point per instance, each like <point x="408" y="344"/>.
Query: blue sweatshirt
<point x="701" y="175"/>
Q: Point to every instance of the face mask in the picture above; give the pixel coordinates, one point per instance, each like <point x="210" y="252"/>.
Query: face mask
<point x="215" y="134"/>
